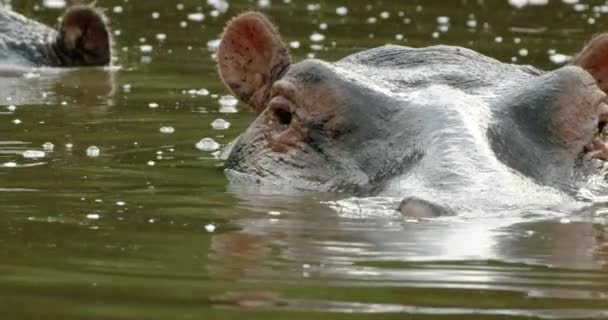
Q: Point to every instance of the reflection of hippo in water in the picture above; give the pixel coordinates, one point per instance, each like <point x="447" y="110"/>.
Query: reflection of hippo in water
<point x="433" y="125"/>
<point x="83" y="39"/>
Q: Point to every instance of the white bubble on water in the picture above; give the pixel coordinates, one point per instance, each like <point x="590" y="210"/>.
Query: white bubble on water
<point x="342" y="11"/>
<point x="93" y="152"/>
<point x="196" y="16"/>
<point x="54" y="4"/>
<point x="167" y="130"/>
<point x="146" y="48"/>
<point x="317" y="37"/>
<point x="16" y="121"/>
<point x="294" y="44"/>
<point x="443" y="20"/>
<point x="120" y="203"/>
<point x="219" y="5"/>
<point x="48" y="146"/>
<point x="117" y="9"/>
<point x="210" y="228"/>
<point x="559" y="58"/>
<point x="152" y="105"/>
<point x="151" y="163"/>
<point x="161" y="37"/>
<point x="207" y="144"/>
<point x="523" y="52"/>
<point x="93" y="216"/>
<point x="212" y="45"/>
<point x="33" y="154"/>
<point x="220" y="124"/>
<point x="264" y="3"/>
<point x="155" y="15"/>
<point x="12" y="108"/>
<point x="10" y="164"/>
<point x="228" y="100"/>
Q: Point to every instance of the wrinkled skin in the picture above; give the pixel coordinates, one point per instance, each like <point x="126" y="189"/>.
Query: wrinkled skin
<point x="440" y="127"/>
<point x="82" y="39"/>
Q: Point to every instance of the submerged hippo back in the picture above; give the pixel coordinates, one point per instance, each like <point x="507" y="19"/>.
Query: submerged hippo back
<point x="83" y="39"/>
<point x="23" y="42"/>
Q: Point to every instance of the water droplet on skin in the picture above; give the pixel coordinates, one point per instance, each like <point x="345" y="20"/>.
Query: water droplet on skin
<point x="93" y="152"/>
<point x="207" y="144"/>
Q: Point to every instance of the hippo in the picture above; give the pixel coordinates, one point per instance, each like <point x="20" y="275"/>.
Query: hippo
<point x="82" y="39"/>
<point x="439" y="129"/>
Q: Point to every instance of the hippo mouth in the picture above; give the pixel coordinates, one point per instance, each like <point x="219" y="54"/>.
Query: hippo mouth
<point x="598" y="147"/>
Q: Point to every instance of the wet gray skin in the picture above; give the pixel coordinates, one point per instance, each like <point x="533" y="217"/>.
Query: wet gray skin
<point x="444" y="128"/>
<point x="82" y="39"/>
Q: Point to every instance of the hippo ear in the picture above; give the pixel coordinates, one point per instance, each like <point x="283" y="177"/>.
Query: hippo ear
<point x="84" y="36"/>
<point x="251" y="57"/>
<point x="594" y="59"/>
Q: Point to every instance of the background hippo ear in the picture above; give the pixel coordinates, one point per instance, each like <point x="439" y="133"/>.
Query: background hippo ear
<point x="84" y="36"/>
<point x="251" y="57"/>
<point x="594" y="59"/>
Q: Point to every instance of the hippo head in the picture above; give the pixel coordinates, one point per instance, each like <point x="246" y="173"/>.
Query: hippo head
<point x="311" y="117"/>
<point x="83" y="38"/>
<point x="439" y="118"/>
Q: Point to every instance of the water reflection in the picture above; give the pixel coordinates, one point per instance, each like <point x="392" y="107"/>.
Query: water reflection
<point x="87" y="86"/>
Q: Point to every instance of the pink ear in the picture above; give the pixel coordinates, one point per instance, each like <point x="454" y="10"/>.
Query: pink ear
<point x="251" y="57"/>
<point x="594" y="59"/>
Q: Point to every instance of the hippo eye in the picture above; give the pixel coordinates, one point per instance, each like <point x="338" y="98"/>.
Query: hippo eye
<point x="283" y="115"/>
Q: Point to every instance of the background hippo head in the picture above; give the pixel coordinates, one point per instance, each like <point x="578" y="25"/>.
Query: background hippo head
<point x="431" y="124"/>
<point x="82" y="39"/>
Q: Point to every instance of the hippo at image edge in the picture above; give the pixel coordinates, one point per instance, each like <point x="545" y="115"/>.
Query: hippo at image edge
<point x="82" y="39"/>
<point x="442" y="128"/>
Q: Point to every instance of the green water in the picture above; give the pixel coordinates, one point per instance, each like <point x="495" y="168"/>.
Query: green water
<point x="148" y="229"/>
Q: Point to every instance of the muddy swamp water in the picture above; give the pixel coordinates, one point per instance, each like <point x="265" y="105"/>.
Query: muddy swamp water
<point x="128" y="215"/>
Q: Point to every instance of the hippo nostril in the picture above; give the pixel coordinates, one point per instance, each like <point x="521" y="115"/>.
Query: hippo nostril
<point x="283" y="115"/>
